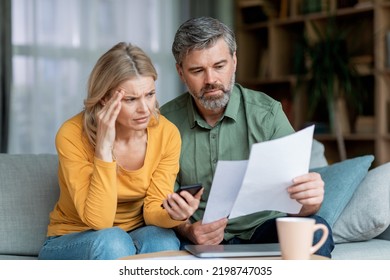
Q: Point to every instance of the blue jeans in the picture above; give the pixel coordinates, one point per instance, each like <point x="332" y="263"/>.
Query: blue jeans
<point x="108" y="244"/>
<point x="267" y="233"/>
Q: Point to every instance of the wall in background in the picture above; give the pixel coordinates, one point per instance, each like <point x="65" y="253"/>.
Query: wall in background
<point x="55" y="44"/>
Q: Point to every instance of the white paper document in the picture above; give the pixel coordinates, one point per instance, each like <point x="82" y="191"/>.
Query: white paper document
<point x="244" y="187"/>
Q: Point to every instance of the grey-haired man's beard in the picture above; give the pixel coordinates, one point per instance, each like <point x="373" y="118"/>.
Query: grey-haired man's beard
<point x="213" y="102"/>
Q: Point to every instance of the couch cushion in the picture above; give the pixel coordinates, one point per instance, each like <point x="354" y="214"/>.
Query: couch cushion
<point x="341" y="180"/>
<point x="29" y="190"/>
<point x="374" y="249"/>
<point x="368" y="213"/>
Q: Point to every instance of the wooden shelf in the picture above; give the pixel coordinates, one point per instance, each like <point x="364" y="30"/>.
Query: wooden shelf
<point x="266" y="52"/>
<point x="347" y="137"/>
<point x="276" y="80"/>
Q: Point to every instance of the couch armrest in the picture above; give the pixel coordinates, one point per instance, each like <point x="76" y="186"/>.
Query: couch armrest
<point x="28" y="191"/>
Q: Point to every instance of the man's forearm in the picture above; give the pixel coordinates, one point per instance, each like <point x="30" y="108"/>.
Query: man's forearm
<point x="183" y="229"/>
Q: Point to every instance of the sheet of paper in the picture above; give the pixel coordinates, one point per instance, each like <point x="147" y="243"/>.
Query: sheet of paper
<point x="227" y="181"/>
<point x="271" y="168"/>
<point x="260" y="183"/>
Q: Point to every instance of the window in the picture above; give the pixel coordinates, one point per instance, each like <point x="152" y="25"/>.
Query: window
<point x="57" y="42"/>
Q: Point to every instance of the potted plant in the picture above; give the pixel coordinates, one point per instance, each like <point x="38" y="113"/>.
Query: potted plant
<point x="324" y="68"/>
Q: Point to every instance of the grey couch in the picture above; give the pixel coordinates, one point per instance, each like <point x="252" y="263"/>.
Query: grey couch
<point x="29" y="190"/>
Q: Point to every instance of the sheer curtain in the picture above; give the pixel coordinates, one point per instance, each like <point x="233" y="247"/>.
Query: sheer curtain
<point x="57" y="42"/>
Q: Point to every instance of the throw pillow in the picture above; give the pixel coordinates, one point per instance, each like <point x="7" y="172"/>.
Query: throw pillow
<point x="317" y="157"/>
<point x="341" y="180"/>
<point x="368" y="213"/>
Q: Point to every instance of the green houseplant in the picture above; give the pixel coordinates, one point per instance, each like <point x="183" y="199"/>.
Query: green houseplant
<point x="324" y="67"/>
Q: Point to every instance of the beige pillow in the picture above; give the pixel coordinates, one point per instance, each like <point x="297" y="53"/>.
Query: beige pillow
<point x="368" y="212"/>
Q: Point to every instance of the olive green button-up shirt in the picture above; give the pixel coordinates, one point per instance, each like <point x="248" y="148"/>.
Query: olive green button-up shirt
<point x="250" y="117"/>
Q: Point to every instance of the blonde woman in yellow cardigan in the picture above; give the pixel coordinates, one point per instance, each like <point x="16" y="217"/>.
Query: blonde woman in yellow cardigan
<point x="118" y="161"/>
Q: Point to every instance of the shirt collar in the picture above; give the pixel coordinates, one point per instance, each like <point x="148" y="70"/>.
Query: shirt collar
<point x="234" y="104"/>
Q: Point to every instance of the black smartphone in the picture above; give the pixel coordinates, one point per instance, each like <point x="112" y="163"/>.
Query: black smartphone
<point x="192" y="189"/>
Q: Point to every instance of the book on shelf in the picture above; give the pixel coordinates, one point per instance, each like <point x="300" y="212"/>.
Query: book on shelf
<point x="364" y="4"/>
<point x="365" y="125"/>
<point x="283" y="13"/>
<point x="363" y="64"/>
<point x="388" y="48"/>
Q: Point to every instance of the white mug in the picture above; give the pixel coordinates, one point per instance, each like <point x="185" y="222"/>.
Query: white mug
<point x="296" y="237"/>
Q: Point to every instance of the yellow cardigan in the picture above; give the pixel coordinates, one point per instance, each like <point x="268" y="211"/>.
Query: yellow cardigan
<point x="97" y="194"/>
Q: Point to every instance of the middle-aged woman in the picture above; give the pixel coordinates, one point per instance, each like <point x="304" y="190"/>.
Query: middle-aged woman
<point x="118" y="161"/>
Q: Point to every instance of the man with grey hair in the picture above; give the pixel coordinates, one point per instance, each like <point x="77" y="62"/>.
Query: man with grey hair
<point x="220" y="120"/>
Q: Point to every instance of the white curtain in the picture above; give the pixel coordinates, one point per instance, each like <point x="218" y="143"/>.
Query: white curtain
<point x="57" y="42"/>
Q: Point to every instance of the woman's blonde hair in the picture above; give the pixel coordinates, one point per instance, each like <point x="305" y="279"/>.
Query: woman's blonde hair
<point x="122" y="62"/>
